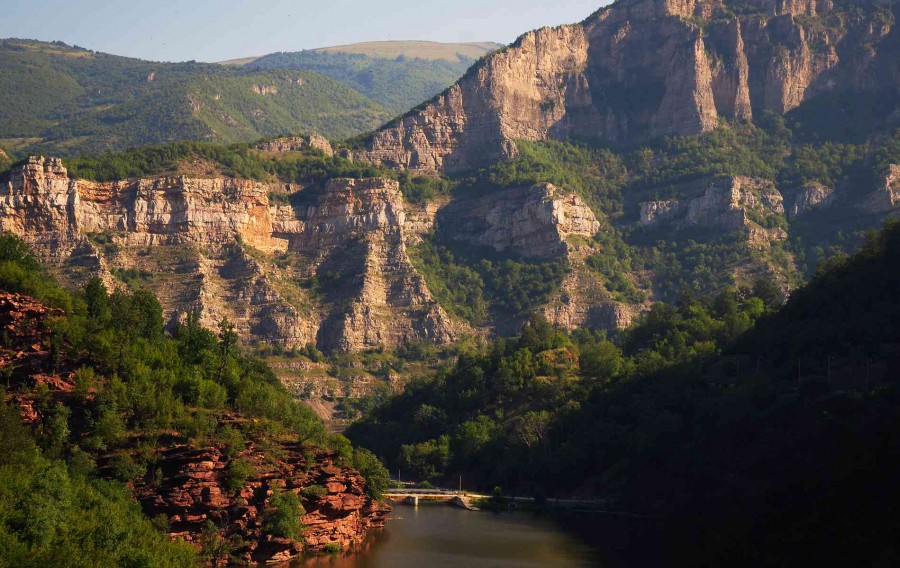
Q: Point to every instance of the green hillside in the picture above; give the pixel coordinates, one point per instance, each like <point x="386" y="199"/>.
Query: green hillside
<point x="65" y="100"/>
<point x="397" y="75"/>
<point x="752" y="434"/>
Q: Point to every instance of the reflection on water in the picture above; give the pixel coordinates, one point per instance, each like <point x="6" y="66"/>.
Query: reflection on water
<point x="435" y="536"/>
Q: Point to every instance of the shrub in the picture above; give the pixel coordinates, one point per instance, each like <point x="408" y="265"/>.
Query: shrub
<point x="284" y="517"/>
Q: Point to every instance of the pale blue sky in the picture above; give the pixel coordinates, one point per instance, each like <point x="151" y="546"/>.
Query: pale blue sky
<point x="209" y="30"/>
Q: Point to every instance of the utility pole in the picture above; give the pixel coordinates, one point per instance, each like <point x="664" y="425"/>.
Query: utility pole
<point x="460" y="486"/>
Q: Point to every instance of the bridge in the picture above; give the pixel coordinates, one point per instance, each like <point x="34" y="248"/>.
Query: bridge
<point x="468" y="501"/>
<point x="456" y="498"/>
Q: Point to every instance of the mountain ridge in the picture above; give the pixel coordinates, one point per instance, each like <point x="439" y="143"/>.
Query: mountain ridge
<point x="643" y="69"/>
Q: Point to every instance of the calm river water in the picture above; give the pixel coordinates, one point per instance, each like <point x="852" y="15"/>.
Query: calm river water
<point x="437" y="536"/>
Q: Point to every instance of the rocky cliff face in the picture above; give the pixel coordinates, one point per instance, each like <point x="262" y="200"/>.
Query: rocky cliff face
<point x="332" y="270"/>
<point x="886" y="198"/>
<point x="723" y="205"/>
<point x="642" y="69"/>
<point x="532" y="222"/>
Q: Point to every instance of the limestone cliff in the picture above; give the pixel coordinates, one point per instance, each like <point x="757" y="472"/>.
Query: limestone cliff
<point x="641" y="69"/>
<point x="886" y="198"/>
<point x="331" y="270"/>
<point x="532" y="222"/>
<point x="723" y="205"/>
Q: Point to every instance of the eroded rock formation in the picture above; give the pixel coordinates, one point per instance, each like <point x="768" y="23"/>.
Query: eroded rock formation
<point x="532" y="222"/>
<point x="886" y="198"/>
<point x="192" y="490"/>
<point x="331" y="270"/>
<point x="722" y="204"/>
<point x="638" y="70"/>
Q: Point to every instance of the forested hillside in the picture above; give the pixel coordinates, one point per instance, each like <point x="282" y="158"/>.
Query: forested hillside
<point x="756" y="433"/>
<point x="65" y="100"/>
<point x="188" y="423"/>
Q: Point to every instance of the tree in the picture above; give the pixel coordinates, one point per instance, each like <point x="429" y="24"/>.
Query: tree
<point x="97" y="299"/>
<point x="228" y="338"/>
<point x="377" y="476"/>
<point x="284" y="517"/>
<point x="768" y="292"/>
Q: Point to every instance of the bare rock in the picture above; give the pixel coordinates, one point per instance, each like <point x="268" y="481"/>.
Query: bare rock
<point x="533" y="222"/>
<point x="885" y="199"/>
<point x="812" y="196"/>
<point x="723" y="204"/>
<point x="634" y="71"/>
<point x="221" y="247"/>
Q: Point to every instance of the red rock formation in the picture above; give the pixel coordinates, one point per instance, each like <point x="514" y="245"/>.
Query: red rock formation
<point x="192" y="491"/>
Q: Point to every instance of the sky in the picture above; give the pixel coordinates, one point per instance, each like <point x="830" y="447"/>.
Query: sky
<point x="209" y="30"/>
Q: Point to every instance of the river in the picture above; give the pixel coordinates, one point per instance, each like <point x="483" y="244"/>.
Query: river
<point x="436" y="536"/>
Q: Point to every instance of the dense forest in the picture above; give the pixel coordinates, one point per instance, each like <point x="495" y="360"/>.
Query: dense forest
<point x="64" y="100"/>
<point x="756" y="432"/>
<point x="63" y="480"/>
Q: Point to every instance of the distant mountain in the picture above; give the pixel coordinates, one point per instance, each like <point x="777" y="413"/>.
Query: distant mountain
<point x="416" y="49"/>
<point x="396" y="74"/>
<point x="65" y="100"/>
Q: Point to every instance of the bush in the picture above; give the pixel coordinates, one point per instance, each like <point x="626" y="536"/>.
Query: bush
<point x="377" y="476"/>
<point x="237" y="473"/>
<point x="284" y="517"/>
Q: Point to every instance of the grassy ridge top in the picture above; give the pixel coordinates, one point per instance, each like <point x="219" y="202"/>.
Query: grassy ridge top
<point x="415" y="49"/>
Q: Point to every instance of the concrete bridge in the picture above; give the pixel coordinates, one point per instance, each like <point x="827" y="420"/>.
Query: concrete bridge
<point x="468" y="501"/>
<point x="456" y="498"/>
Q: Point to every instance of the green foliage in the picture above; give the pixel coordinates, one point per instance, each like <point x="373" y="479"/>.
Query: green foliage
<point x="237" y="473"/>
<point x="516" y="393"/>
<point x="63" y="101"/>
<point x="377" y="476"/>
<point x="597" y="175"/>
<point x="730" y="415"/>
<point x="739" y="150"/>
<point x="237" y="160"/>
<point x="134" y="383"/>
<point x="419" y="188"/>
<point x="471" y="288"/>
<point x="49" y="516"/>
<point x="283" y="518"/>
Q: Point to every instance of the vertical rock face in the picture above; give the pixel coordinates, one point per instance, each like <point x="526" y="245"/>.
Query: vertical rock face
<point x="533" y="222"/>
<point x="885" y="199"/>
<point x="723" y="204"/>
<point x="221" y="247"/>
<point x="811" y="196"/>
<point x="637" y="70"/>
